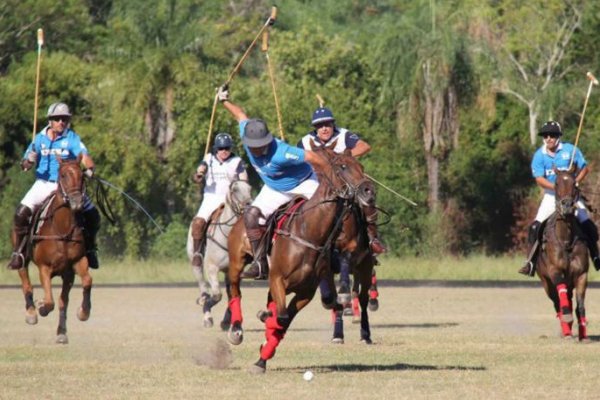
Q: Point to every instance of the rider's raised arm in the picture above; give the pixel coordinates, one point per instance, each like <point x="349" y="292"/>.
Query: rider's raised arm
<point x="235" y="110"/>
<point x="361" y="148"/>
<point x="314" y="159"/>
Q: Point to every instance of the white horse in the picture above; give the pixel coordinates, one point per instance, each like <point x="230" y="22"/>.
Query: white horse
<point x="215" y="255"/>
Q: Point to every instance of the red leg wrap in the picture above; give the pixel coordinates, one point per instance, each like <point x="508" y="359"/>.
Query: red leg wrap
<point x="373" y="294"/>
<point x="355" y="306"/>
<point x="273" y="333"/>
<point x="561" y="288"/>
<point x="564" y="326"/>
<point x="235" y="305"/>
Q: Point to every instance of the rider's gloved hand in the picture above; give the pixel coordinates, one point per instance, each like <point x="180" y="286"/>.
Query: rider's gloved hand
<point x="89" y="172"/>
<point x="223" y="93"/>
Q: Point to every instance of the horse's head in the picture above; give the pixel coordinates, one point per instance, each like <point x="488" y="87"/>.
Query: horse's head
<point x="346" y="177"/>
<point x="239" y="196"/>
<point x="70" y="182"/>
<point x="566" y="192"/>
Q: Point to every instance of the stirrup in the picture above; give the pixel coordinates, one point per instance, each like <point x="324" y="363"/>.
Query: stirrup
<point x="19" y="261"/>
<point x="527" y="269"/>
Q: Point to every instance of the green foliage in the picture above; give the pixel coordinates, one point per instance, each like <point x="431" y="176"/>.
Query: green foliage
<point x="140" y="77"/>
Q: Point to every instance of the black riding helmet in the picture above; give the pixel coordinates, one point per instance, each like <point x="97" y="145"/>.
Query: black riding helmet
<point x="223" y="141"/>
<point x="550" y="128"/>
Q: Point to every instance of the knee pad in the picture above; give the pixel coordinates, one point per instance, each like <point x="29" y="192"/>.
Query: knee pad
<point x="534" y="232"/>
<point x="251" y="217"/>
<point x="198" y="225"/>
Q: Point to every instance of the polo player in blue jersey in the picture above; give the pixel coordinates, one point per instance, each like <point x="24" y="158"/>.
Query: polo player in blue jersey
<point x="557" y="154"/>
<point x="57" y="139"/>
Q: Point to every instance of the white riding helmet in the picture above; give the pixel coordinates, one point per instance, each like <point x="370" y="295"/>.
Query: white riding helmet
<point x="58" y="109"/>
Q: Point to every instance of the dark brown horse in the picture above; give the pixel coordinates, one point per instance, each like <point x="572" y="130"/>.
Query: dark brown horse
<point x="58" y="250"/>
<point x="563" y="262"/>
<point x="299" y="257"/>
<point x="353" y="244"/>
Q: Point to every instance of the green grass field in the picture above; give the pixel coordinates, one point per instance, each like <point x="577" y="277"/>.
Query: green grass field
<point x="446" y="268"/>
<point x="429" y="343"/>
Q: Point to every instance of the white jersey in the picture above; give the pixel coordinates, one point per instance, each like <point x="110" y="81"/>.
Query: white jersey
<point x="219" y="175"/>
<point x="310" y="141"/>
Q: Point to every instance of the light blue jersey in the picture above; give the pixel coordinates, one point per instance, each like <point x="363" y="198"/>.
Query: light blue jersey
<point x="282" y="168"/>
<point x="543" y="163"/>
<point x="68" y="146"/>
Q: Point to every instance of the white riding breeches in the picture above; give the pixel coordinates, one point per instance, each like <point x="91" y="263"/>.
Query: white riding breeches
<point x="548" y="206"/>
<point x="210" y="203"/>
<point x="269" y="200"/>
<point x="42" y="189"/>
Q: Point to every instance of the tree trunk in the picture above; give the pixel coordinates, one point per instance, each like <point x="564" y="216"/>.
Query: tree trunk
<point x="433" y="178"/>
<point x="533" y="115"/>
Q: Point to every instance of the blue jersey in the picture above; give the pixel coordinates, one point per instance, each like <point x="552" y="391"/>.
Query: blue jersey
<point x="282" y="168"/>
<point x="543" y="163"/>
<point x="68" y="146"/>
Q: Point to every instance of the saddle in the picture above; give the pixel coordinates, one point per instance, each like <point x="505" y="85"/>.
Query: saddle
<point x="276" y="221"/>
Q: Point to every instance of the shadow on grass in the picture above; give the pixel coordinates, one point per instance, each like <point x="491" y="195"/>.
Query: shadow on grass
<point x="379" y="367"/>
<point x="376" y="326"/>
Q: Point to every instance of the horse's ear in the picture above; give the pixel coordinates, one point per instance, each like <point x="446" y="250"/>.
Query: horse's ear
<point x="332" y="144"/>
<point x="554" y="169"/>
<point x="312" y="144"/>
<point x="573" y="169"/>
<point x="347" y="152"/>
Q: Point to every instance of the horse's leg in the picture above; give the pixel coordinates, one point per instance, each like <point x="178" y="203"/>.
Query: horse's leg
<point x="556" y="289"/>
<point x="275" y="328"/>
<point x="338" y="327"/>
<point x="373" y="293"/>
<point x="226" y="322"/>
<point x="82" y="269"/>
<point x="365" y="275"/>
<point x="580" y="288"/>
<point x="213" y="295"/>
<point x="63" y="304"/>
<point x="30" y="312"/>
<point x="47" y="305"/>
<point x="355" y="311"/>
<point x="236" y="264"/>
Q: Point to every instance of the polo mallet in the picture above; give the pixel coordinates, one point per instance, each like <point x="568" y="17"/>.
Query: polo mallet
<point x="40" y="42"/>
<point x="409" y="201"/>
<point x="268" y="22"/>
<point x="265" y="49"/>
<point x="320" y="100"/>
<point x="593" y="81"/>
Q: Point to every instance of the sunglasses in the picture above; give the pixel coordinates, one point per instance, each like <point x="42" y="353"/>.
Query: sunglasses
<point x="224" y="148"/>
<point x="547" y="135"/>
<point x="60" y="118"/>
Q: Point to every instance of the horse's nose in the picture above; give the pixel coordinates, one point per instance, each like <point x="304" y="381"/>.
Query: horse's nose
<point x="76" y="202"/>
<point x="366" y="193"/>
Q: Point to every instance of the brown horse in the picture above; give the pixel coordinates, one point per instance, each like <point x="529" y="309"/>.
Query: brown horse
<point x="353" y="245"/>
<point x="563" y="262"/>
<point x="57" y="248"/>
<point x="299" y="257"/>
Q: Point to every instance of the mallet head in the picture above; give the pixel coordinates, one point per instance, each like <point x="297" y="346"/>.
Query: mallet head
<point x="273" y="16"/>
<point x="592" y="78"/>
<point x="40" y="37"/>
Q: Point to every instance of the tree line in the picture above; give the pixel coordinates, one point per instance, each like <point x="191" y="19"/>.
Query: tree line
<point x="449" y="95"/>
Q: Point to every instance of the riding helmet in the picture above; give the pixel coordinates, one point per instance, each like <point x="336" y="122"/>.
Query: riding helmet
<point x="58" y="110"/>
<point x="223" y="140"/>
<point x="551" y="128"/>
<point x="256" y="133"/>
<point x="321" y="115"/>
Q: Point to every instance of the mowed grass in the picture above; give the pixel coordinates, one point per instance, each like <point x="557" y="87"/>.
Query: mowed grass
<point x="429" y="343"/>
<point x="474" y="267"/>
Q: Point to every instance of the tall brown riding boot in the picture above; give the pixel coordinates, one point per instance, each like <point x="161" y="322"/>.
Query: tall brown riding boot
<point x="377" y="246"/>
<point x="18" y="235"/>
<point x="591" y="231"/>
<point x="91" y="225"/>
<point x="198" y="230"/>
<point x="259" y="270"/>
<point x="533" y="240"/>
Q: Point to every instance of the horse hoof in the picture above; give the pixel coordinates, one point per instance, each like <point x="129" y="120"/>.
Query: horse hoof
<point x="62" y="339"/>
<point x="262" y="315"/>
<point x="83" y="315"/>
<point x="235" y="334"/>
<point x="344" y="298"/>
<point x="257" y="369"/>
<point x="31" y="317"/>
<point x="225" y="325"/>
<point x="366" y="341"/>
<point x="337" y="340"/>
<point x="208" y="322"/>
<point x="373" y="305"/>
<point x="586" y="340"/>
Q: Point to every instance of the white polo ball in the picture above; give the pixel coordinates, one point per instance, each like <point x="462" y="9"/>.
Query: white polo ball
<point x="308" y="375"/>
